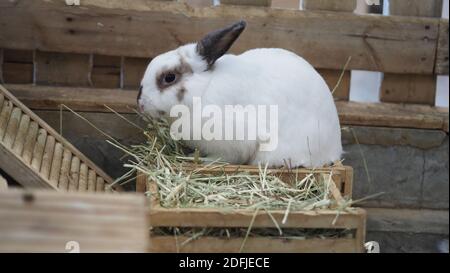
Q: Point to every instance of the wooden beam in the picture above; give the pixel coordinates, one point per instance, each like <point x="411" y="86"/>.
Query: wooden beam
<point x="43" y="221"/>
<point x="325" y="43"/>
<point x="350" y="113"/>
<point x="17" y="66"/>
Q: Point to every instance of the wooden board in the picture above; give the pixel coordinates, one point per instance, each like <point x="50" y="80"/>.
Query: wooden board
<point x="106" y="71"/>
<point x="403" y="88"/>
<point x="330" y="5"/>
<point x="342" y="91"/>
<point x="43" y="221"/>
<point x="17" y="66"/>
<point x="34" y="170"/>
<point x="325" y="43"/>
<point x="442" y="48"/>
<point x="133" y="71"/>
<point x="62" y="69"/>
<point x="421" y="8"/>
<point x="350" y="113"/>
<point x="407" y="220"/>
<point x="261" y="3"/>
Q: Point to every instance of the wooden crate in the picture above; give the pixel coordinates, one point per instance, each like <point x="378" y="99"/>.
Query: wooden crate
<point x="354" y="220"/>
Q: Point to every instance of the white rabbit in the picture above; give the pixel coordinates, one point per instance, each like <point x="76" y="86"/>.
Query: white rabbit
<point x="309" y="133"/>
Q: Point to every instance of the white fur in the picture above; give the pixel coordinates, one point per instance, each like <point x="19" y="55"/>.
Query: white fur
<point x="309" y="131"/>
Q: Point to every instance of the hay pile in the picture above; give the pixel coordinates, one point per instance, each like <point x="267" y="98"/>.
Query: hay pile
<point x="163" y="160"/>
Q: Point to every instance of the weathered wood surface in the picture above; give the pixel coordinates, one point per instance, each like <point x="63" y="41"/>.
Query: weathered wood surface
<point x="124" y="101"/>
<point x="330" y="5"/>
<point x="17" y="66"/>
<point x="325" y="43"/>
<point x="408" y="221"/>
<point x="262" y="3"/>
<point x="168" y="244"/>
<point x="34" y="169"/>
<point x="403" y="88"/>
<point x="442" y="48"/>
<point x="41" y="221"/>
<point x="421" y="8"/>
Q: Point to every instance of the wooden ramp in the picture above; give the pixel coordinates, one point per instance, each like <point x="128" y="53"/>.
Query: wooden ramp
<point x="47" y="221"/>
<point x="36" y="156"/>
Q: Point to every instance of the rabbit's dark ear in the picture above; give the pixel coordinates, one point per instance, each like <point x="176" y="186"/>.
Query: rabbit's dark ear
<point x="216" y="44"/>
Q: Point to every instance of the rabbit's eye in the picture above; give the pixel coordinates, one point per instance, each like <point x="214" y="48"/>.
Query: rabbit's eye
<point x="170" y="78"/>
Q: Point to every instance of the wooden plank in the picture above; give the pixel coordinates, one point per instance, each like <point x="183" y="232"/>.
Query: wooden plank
<point x="330" y="5"/>
<point x="175" y="217"/>
<point x="56" y="164"/>
<point x="106" y="71"/>
<point x="286" y="4"/>
<point x="168" y="244"/>
<point x="342" y="91"/>
<point x="408" y="88"/>
<point x="133" y="71"/>
<point x="325" y="43"/>
<point x="100" y="185"/>
<point x="428" y="8"/>
<point x="65" y="170"/>
<point x="350" y="113"/>
<point x="38" y="150"/>
<point x="4" y="117"/>
<point x="260" y="3"/>
<point x="442" y="49"/>
<point x="46" y="222"/>
<point x="13" y="126"/>
<point x="91" y="181"/>
<point x="19" y="142"/>
<point x="407" y="220"/>
<point x="30" y="141"/>
<point x="83" y="178"/>
<point x="47" y="157"/>
<point x="62" y="69"/>
<point x="17" y="66"/>
<point x="74" y="174"/>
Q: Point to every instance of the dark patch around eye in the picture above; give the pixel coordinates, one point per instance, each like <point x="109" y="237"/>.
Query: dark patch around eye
<point x="168" y="78"/>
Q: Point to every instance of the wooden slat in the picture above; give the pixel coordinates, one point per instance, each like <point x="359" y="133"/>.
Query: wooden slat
<point x="91" y="181"/>
<point x="428" y="8"/>
<point x="4" y="117"/>
<point x="342" y="91"/>
<point x="17" y="66"/>
<point x="442" y="48"/>
<point x="325" y="43"/>
<point x="350" y="113"/>
<point x="56" y="164"/>
<point x="418" y="89"/>
<point x="106" y="71"/>
<point x="62" y="69"/>
<point x="133" y="71"/>
<point x="286" y="4"/>
<point x="47" y="158"/>
<point x="330" y="5"/>
<point x="168" y="244"/>
<point x="83" y="178"/>
<point x="47" y="222"/>
<point x="19" y="142"/>
<point x="38" y="150"/>
<point x="3" y="183"/>
<point x="261" y="3"/>
<point x="65" y="170"/>
<point x="30" y="141"/>
<point x="173" y="217"/>
<point x="11" y="129"/>
<point x="74" y="174"/>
